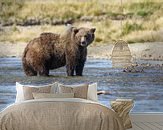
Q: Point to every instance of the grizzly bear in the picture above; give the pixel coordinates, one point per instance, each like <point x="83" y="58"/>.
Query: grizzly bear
<point x="51" y="51"/>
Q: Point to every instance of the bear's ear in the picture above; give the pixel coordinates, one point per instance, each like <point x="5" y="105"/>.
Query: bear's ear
<point x="93" y="30"/>
<point x="75" y="30"/>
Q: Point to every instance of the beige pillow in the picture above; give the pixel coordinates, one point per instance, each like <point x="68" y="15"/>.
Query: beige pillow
<point x="29" y="90"/>
<point x="24" y="92"/>
<point x="49" y="95"/>
<point x="80" y="91"/>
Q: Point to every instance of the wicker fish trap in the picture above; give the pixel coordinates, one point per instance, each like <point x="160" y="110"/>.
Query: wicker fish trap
<point x="121" y="54"/>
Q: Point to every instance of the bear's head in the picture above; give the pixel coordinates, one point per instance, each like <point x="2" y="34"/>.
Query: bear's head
<point x="84" y="36"/>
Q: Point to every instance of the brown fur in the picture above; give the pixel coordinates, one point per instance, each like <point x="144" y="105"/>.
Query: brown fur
<point x="51" y="51"/>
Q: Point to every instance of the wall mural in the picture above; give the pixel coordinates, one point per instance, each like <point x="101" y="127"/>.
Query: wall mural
<point x="124" y="55"/>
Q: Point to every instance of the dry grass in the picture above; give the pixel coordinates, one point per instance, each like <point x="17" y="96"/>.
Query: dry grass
<point x="144" y="36"/>
<point x="25" y="34"/>
<point x="146" y="17"/>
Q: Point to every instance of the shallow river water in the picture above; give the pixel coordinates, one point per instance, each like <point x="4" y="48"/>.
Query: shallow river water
<point x="145" y="88"/>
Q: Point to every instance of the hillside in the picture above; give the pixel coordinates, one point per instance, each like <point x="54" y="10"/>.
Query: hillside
<point x="133" y="21"/>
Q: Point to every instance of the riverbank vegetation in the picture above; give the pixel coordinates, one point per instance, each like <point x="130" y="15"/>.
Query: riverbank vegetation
<point x="133" y="21"/>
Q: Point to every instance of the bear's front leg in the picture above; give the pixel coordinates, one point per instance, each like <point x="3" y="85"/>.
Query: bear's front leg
<point x="79" y="68"/>
<point x="70" y="70"/>
<point x="71" y="58"/>
<point x="70" y="66"/>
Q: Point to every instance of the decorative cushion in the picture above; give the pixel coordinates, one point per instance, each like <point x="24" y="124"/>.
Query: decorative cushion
<point x="80" y="91"/>
<point x="24" y="92"/>
<point x="49" y="95"/>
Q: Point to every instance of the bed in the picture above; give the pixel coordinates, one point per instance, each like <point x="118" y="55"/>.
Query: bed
<point x="59" y="114"/>
<point x="64" y="113"/>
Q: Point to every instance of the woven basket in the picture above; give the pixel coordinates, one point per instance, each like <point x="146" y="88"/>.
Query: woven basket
<point x="121" y="55"/>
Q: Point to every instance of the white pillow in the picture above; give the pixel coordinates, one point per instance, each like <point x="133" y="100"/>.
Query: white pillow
<point x="20" y="96"/>
<point x="92" y="92"/>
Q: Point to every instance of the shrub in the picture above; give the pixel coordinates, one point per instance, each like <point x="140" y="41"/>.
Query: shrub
<point x="145" y="8"/>
<point x="128" y="28"/>
<point x="143" y="13"/>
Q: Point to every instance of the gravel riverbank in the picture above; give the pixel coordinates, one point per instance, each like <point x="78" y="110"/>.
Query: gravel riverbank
<point x="144" y="51"/>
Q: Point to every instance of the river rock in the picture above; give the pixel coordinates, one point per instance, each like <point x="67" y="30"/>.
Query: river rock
<point x="31" y="21"/>
<point x="8" y="22"/>
<point x="46" y="21"/>
<point x="134" y="69"/>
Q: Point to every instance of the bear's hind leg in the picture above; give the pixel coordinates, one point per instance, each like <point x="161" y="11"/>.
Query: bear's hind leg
<point x="29" y="71"/>
<point x="44" y="72"/>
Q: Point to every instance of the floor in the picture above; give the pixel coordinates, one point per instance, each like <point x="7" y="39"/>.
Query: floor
<point x="147" y="121"/>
